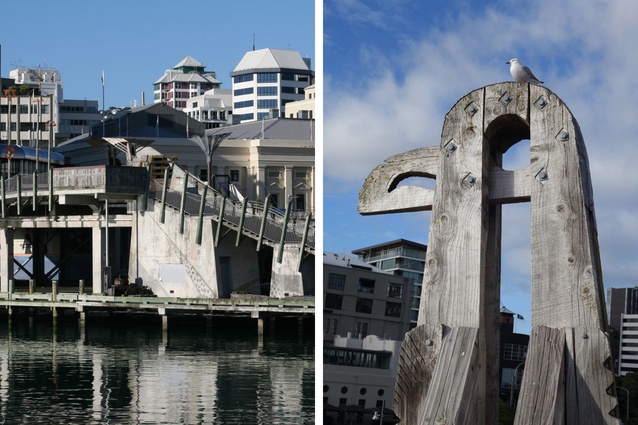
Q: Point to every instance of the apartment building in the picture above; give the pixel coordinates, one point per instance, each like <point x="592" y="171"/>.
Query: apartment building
<point x="185" y="80"/>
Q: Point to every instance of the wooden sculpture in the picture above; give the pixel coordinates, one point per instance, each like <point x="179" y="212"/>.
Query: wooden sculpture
<point x="449" y="367"/>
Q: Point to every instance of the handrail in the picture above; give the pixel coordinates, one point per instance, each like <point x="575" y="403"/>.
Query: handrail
<point x="233" y="211"/>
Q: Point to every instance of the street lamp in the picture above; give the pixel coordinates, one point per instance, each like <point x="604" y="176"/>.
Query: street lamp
<point x="621" y="388"/>
<point x="514" y="381"/>
<point x="51" y="124"/>
<point x="379" y="416"/>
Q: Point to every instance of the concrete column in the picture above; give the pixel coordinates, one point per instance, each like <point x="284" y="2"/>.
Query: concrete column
<point x="261" y="183"/>
<point x="97" y="250"/>
<point x="6" y="258"/>
<point x="311" y="197"/>
<point x="287" y="186"/>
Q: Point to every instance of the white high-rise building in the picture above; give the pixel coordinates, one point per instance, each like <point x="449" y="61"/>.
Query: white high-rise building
<point x="33" y="111"/>
<point x="266" y="80"/>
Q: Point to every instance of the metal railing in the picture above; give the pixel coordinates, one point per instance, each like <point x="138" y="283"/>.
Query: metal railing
<point x="217" y="205"/>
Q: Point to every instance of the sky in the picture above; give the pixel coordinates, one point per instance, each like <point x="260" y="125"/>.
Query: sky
<point x="134" y="42"/>
<point x="394" y="68"/>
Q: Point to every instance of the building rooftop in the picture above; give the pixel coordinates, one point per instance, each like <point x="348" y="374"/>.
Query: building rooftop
<point x="275" y="128"/>
<point x="189" y="62"/>
<point x="392" y="244"/>
<point x="271" y="59"/>
<point x="341" y="260"/>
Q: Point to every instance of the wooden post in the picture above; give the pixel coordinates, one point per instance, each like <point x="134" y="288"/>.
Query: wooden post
<point x="461" y="286"/>
<point x="54" y="290"/>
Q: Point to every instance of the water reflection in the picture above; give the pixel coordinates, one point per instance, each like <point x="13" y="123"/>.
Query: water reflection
<point x="131" y="373"/>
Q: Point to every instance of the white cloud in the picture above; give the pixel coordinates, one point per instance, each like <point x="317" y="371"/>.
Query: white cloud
<point x="585" y="54"/>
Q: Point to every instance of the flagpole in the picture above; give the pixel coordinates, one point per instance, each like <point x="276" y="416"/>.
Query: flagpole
<point x="103" y="91"/>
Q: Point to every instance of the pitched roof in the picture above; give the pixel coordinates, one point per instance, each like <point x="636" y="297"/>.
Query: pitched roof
<point x="272" y="59"/>
<point x="189" y="61"/>
<point x="173" y="75"/>
<point x="274" y="129"/>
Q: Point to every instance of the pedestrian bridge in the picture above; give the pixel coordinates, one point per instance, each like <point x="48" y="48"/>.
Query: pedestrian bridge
<point x="103" y="197"/>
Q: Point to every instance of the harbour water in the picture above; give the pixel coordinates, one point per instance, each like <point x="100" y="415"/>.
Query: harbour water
<point x="125" y="370"/>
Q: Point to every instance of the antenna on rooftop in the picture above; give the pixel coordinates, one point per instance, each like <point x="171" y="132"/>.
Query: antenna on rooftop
<point x="253" y="42"/>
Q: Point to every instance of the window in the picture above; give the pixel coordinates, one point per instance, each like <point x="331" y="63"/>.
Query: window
<point x="244" y="104"/>
<point x="301" y="174"/>
<point x="241" y="92"/>
<point x="336" y="281"/>
<point x="364" y="305"/>
<point x="294" y="77"/>
<point x="361" y="329"/>
<point x="507" y="378"/>
<point x="24" y="109"/>
<point x="516" y="352"/>
<point x="330" y="326"/>
<point x="242" y="78"/>
<point x="234" y="175"/>
<point x="267" y="91"/>
<point x="392" y="309"/>
<point x="395" y="290"/>
<point x="266" y="77"/>
<point x="333" y="301"/>
<point x="273" y="174"/>
<point x="366" y="286"/>
<point x="267" y="104"/>
<point x="246" y="117"/>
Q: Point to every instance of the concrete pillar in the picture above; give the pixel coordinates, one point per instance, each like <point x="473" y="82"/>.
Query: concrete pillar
<point x="6" y="258"/>
<point x="31" y="286"/>
<point x="81" y="287"/>
<point x="287" y="186"/>
<point x="311" y="197"/>
<point x="37" y="250"/>
<point x="98" y="259"/>
<point x="261" y="183"/>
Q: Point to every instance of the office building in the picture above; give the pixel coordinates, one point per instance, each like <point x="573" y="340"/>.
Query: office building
<point x="266" y="80"/>
<point x="362" y="300"/>
<point x="623" y="328"/>
<point x="402" y="258"/>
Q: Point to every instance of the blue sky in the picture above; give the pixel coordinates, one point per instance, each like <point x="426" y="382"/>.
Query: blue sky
<point x="134" y="42"/>
<point x="394" y="68"/>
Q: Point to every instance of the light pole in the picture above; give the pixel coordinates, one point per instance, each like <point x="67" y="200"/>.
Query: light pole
<point x="514" y="381"/>
<point x="378" y="416"/>
<point x="625" y="389"/>
<point x="51" y="124"/>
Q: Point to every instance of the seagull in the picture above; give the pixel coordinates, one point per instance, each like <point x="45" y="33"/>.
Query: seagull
<point x="521" y="73"/>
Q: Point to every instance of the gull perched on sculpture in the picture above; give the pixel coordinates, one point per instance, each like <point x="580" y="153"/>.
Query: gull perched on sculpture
<point x="521" y="73"/>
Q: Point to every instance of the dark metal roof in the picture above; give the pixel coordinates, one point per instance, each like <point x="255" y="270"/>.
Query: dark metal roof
<point x="275" y="128"/>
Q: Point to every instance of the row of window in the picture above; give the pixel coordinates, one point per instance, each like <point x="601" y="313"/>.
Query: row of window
<point x="516" y="352"/>
<point x="338" y="282"/>
<point x="363" y="305"/>
<point x="24" y="109"/>
<point x="356" y="358"/>
<point x="362" y="391"/>
<point x="24" y="126"/>
<point x="244" y="104"/>
<point x="242" y="92"/>
<point x="267" y="104"/>
<point x="78" y="109"/>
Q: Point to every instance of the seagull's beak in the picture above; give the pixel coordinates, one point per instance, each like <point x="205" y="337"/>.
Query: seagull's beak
<point x="508" y="62"/>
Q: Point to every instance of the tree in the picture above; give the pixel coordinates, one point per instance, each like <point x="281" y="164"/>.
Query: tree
<point x="629" y="383"/>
